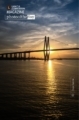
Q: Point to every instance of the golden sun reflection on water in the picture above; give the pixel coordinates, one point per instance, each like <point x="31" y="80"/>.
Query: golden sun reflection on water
<point x="51" y="78"/>
<point x="51" y="90"/>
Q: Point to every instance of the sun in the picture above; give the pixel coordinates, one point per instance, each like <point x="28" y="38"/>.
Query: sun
<point x="51" y="51"/>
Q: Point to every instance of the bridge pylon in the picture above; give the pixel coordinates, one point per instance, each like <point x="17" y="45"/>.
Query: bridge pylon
<point x="46" y="49"/>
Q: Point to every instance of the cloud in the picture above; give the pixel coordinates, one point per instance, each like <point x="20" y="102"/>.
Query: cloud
<point x="1" y="2"/>
<point x="58" y="1"/>
<point x="63" y="3"/>
<point x="51" y="20"/>
<point x="17" y="35"/>
<point x="24" y="34"/>
<point x="72" y="45"/>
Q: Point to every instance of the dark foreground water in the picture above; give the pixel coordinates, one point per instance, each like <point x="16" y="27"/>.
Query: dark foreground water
<point x="38" y="90"/>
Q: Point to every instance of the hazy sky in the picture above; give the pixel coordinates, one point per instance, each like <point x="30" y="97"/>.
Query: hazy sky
<point x="57" y="19"/>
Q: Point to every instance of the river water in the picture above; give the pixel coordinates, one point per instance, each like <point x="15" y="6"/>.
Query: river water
<point x="39" y="90"/>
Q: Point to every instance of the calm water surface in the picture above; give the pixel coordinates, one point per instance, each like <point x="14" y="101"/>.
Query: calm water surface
<point x="38" y="90"/>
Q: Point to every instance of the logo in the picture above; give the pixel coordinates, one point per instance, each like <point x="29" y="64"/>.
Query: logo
<point x="9" y="7"/>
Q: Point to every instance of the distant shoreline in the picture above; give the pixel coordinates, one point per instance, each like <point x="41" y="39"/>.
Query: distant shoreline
<point x="38" y="59"/>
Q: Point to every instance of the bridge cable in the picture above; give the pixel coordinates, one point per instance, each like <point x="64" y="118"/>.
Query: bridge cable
<point x="59" y="41"/>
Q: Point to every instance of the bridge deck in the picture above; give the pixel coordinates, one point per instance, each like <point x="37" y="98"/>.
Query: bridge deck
<point x="60" y="49"/>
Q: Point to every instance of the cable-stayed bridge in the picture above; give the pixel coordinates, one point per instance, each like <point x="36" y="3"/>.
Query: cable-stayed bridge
<point x="21" y="55"/>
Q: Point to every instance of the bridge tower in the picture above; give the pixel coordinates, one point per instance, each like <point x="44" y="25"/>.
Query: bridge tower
<point x="46" y="48"/>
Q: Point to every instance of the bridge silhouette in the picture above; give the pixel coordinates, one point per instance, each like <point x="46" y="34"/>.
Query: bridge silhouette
<point x="21" y="55"/>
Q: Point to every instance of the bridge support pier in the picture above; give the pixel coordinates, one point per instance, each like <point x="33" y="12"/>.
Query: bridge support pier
<point x="10" y="56"/>
<point x="29" y="55"/>
<point x="2" y="55"/>
<point x="6" y="56"/>
<point x="15" y="55"/>
<point x="20" y="55"/>
<point x="24" y="55"/>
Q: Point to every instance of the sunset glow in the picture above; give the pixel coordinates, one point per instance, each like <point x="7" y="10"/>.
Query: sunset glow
<point x="51" y="52"/>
